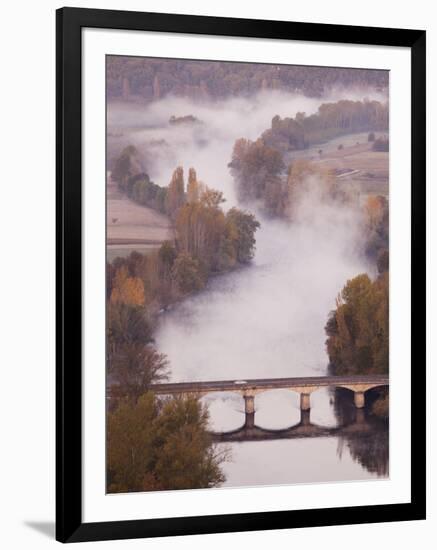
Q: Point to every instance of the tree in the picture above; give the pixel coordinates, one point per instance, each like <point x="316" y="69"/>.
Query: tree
<point x="187" y="458"/>
<point x="127" y="290"/>
<point x="128" y="164"/>
<point x="125" y="325"/>
<point x="200" y="227"/>
<point x="376" y="213"/>
<point x="130" y="446"/>
<point x="187" y="274"/>
<point x="135" y="366"/>
<point x="175" y="193"/>
<point x="161" y="447"/>
<point x="193" y="188"/>
<point x="242" y="227"/>
<point x="167" y="254"/>
<point x="211" y="198"/>
<point x="382" y="261"/>
<point x="253" y="165"/>
<point x="358" y="332"/>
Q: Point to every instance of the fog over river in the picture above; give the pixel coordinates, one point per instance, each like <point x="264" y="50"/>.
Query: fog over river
<point x="265" y="320"/>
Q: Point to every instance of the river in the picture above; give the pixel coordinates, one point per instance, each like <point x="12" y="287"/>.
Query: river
<point x="268" y="319"/>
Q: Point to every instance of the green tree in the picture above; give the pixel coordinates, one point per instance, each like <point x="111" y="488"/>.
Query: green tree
<point x="125" y="325"/>
<point x="358" y="329"/>
<point x="128" y="164"/>
<point x="187" y="273"/>
<point x="135" y="366"/>
<point x="131" y="446"/>
<point x="175" y="197"/>
<point x="243" y="226"/>
<point x="167" y="254"/>
<point x="187" y="459"/>
<point x="153" y="446"/>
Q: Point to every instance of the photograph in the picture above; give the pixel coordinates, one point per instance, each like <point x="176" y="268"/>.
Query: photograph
<point x="247" y="274"/>
<point x="217" y="279"/>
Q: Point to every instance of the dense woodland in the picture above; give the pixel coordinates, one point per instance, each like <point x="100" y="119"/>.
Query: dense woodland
<point x="148" y="79"/>
<point x="331" y="120"/>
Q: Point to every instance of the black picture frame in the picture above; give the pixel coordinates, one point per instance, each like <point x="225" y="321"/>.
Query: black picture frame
<point x="69" y="525"/>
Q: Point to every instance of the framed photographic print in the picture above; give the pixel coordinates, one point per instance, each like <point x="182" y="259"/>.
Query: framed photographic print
<point x="240" y="274"/>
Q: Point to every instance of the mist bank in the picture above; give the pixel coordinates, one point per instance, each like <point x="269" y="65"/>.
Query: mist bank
<point x="269" y="319"/>
<point x="208" y="145"/>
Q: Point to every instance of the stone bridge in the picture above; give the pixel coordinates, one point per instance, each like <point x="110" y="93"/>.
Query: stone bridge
<point x="250" y="388"/>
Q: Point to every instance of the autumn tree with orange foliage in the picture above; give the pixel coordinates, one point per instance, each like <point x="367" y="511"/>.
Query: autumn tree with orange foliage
<point x="259" y="171"/>
<point x="127" y="290"/>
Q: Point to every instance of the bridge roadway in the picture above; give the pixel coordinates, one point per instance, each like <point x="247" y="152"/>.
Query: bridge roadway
<point x="304" y="386"/>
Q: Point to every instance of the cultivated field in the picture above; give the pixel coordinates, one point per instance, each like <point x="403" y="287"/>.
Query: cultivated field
<point x="356" y="166"/>
<point x="131" y="226"/>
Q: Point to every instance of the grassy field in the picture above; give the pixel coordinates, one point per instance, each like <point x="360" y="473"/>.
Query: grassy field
<point x="356" y="166"/>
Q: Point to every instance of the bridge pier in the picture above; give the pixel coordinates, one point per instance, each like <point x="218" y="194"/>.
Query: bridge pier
<point x="249" y="411"/>
<point x="305" y="419"/>
<point x="305" y="403"/>
<point x="359" y="399"/>
<point x="359" y="416"/>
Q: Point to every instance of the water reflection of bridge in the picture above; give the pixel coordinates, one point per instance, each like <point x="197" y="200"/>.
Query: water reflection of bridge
<point x="304" y="429"/>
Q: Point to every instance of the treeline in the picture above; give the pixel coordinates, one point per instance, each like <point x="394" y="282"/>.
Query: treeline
<point x="130" y="175"/>
<point x="206" y="236"/>
<point x="181" y="120"/>
<point x="331" y="120"/>
<point x="148" y="79"/>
